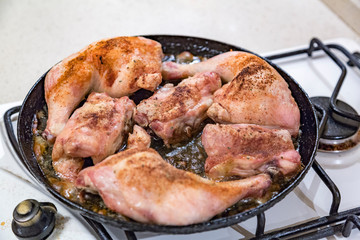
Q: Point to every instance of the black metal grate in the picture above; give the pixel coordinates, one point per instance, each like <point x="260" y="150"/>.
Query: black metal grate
<point x="335" y="222"/>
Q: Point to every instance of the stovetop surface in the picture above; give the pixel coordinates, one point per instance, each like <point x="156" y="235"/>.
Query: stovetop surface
<point x="311" y="199"/>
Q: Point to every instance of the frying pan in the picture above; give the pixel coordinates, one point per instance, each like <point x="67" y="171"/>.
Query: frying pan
<point x="307" y="142"/>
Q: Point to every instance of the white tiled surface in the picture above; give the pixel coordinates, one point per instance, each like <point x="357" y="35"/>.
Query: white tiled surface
<point x="35" y="34"/>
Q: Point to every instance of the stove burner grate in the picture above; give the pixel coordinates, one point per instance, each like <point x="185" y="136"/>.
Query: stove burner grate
<point x="340" y="133"/>
<point x="340" y="124"/>
<point x="329" y="110"/>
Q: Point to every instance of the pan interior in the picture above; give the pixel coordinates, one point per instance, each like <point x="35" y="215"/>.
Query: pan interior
<point x="307" y="142"/>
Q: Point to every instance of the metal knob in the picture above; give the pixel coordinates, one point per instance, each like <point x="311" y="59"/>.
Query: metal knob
<point x="33" y="220"/>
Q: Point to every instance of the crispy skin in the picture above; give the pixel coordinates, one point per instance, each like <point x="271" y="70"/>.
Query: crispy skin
<point x="95" y="130"/>
<point x="257" y="95"/>
<point x="245" y="150"/>
<point x="139" y="184"/>
<point x="174" y="113"/>
<point x="118" y="66"/>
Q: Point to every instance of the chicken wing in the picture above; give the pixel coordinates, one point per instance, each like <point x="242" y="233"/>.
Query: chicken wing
<point x="141" y="185"/>
<point x="118" y="66"/>
<point x="174" y="113"/>
<point x="245" y="150"/>
<point x="95" y="130"/>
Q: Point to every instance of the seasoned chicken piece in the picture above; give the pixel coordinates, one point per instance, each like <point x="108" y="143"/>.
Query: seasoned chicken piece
<point x="95" y="130"/>
<point x="67" y="168"/>
<point x="139" y="138"/>
<point x="118" y="66"/>
<point x="139" y="184"/>
<point x="245" y="150"/>
<point x="175" y="113"/>
<point x="227" y="65"/>
<point x="257" y="95"/>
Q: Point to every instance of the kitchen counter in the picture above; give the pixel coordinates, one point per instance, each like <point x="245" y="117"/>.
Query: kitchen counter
<point x="34" y="35"/>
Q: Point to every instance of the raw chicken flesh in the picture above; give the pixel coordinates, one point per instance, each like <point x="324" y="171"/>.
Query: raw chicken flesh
<point x="96" y="130"/>
<point x="257" y="95"/>
<point x="139" y="184"/>
<point x="245" y="150"/>
<point x="118" y="66"/>
<point x="175" y="113"/>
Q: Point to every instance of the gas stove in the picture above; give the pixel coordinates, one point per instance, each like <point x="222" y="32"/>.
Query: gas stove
<point x="312" y="210"/>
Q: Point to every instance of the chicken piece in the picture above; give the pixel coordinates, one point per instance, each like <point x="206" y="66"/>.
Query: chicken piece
<point x="67" y="168"/>
<point x="245" y="150"/>
<point x="227" y="65"/>
<point x="118" y="66"/>
<point x="141" y="185"/>
<point x="139" y="138"/>
<point x="95" y="130"/>
<point x="175" y="113"/>
<point x="257" y="95"/>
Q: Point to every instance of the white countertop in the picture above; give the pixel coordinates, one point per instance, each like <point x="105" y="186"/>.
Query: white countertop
<point x="34" y="34"/>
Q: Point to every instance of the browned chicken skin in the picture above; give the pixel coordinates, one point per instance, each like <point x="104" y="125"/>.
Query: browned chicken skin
<point x="245" y="150"/>
<point x="96" y="130"/>
<point x="139" y="184"/>
<point x="118" y="66"/>
<point x="174" y="113"/>
<point x="257" y="95"/>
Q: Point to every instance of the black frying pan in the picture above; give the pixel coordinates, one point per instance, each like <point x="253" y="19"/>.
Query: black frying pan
<point x="307" y="143"/>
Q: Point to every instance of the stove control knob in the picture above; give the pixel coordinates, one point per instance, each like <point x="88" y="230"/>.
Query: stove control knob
<point x="33" y="220"/>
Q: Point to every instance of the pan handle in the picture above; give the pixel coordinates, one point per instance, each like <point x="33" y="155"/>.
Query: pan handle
<point x="10" y="130"/>
<point x="96" y="226"/>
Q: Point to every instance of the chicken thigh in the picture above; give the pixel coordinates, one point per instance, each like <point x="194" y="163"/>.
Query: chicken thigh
<point x="257" y="95"/>
<point x="139" y="184"/>
<point x="95" y="130"/>
<point x="118" y="66"/>
<point x="175" y="113"/>
<point x="245" y="150"/>
<point x="227" y="65"/>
